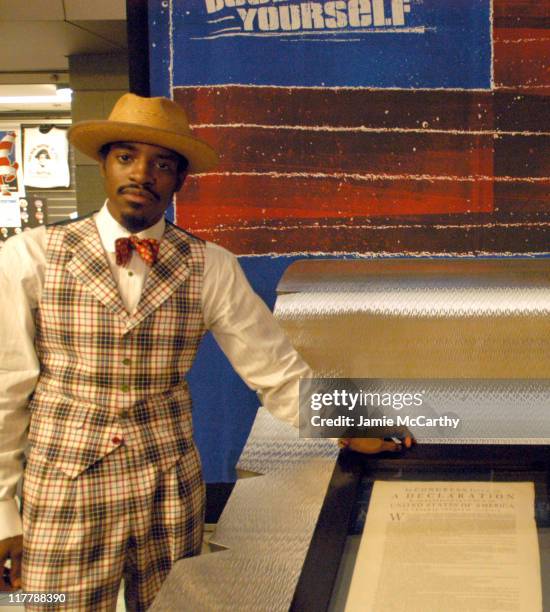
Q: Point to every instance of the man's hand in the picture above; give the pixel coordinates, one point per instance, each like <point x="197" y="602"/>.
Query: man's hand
<point x="11" y="548"/>
<point x="371" y="446"/>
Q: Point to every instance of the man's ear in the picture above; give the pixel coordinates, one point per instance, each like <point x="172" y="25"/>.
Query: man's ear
<point x="102" y="167"/>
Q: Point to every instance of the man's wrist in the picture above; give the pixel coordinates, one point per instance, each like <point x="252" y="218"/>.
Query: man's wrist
<point x="10" y="519"/>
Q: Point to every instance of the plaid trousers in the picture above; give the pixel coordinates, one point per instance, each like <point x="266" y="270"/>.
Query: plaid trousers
<point x="121" y="518"/>
<point x="113" y="483"/>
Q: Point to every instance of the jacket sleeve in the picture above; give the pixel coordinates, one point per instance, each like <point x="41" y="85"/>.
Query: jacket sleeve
<point x="21" y="270"/>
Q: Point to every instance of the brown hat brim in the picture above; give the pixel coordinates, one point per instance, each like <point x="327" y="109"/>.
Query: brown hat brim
<point x="89" y="136"/>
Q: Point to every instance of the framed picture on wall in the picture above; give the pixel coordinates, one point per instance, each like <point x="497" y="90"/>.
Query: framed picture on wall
<point x="46" y="157"/>
<point x="11" y="171"/>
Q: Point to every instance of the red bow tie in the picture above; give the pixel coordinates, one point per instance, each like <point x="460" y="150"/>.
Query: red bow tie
<point x="147" y="249"/>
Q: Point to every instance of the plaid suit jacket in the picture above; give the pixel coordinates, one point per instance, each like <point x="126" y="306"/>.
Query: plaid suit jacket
<point x="109" y="377"/>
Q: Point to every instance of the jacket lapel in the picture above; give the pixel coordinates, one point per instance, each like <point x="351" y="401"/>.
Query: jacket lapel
<point x="90" y="267"/>
<point x="168" y="273"/>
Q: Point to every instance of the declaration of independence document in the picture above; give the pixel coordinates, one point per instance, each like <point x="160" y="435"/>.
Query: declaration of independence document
<point x="433" y="546"/>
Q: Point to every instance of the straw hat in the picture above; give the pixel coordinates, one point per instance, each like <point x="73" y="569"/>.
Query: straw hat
<point x="156" y="121"/>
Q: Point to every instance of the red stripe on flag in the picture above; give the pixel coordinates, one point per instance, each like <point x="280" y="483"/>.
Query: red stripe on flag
<point x="212" y="201"/>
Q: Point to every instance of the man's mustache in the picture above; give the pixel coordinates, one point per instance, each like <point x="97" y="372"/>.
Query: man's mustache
<point x="138" y="188"/>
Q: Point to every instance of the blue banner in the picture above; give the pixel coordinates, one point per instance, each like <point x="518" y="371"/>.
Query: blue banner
<point x="351" y="43"/>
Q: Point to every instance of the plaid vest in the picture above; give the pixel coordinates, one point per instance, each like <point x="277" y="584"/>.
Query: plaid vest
<point x="108" y="377"/>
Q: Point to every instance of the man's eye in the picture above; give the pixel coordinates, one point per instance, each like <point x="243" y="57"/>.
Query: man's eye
<point x="165" y="165"/>
<point x="123" y="157"/>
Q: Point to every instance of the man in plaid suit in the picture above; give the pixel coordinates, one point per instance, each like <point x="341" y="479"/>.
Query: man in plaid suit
<point x="109" y="312"/>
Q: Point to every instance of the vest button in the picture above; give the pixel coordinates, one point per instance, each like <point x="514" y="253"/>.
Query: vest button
<point x="126" y="361"/>
<point x="125" y="388"/>
<point x="124" y="414"/>
<point x="116" y="440"/>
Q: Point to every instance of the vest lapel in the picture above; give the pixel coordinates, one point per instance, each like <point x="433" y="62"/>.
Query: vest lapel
<point x="167" y="274"/>
<point x="90" y="267"/>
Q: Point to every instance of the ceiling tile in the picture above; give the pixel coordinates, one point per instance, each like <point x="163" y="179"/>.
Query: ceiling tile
<point x="37" y="10"/>
<point x="52" y="43"/>
<point x="98" y="10"/>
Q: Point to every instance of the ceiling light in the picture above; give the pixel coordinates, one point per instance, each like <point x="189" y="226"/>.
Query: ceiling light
<point x="35" y="95"/>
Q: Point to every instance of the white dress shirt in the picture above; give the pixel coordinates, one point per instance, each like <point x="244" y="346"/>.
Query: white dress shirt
<point x="241" y="323"/>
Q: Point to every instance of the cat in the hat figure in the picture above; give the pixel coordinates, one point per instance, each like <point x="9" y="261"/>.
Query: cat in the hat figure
<point x="8" y="167"/>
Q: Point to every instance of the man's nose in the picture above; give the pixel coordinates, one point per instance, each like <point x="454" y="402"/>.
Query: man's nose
<point x="141" y="172"/>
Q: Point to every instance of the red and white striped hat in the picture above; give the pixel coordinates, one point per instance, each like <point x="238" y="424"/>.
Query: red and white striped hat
<point x="8" y="169"/>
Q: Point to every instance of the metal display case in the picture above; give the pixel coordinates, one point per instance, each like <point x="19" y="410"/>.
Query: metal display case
<point x="288" y="537"/>
<point x="482" y="321"/>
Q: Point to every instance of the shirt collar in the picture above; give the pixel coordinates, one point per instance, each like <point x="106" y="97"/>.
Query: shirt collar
<point x="109" y="229"/>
